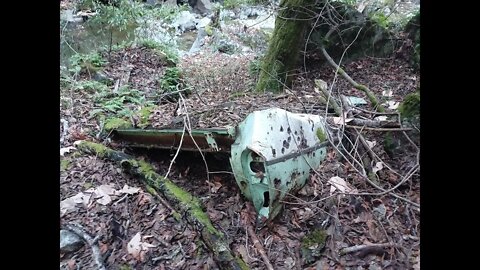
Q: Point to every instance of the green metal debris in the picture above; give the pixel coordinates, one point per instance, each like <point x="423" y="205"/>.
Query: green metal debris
<point x="271" y="152"/>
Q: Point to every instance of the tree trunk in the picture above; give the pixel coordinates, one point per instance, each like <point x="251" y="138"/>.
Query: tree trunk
<point x="288" y="36"/>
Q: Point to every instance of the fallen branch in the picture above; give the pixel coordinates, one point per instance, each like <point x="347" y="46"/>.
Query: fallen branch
<point x="259" y="247"/>
<point x="371" y="96"/>
<point x="378" y="129"/>
<point x="366" y="249"/>
<point x="184" y="202"/>
<point x="92" y="242"/>
<point x="327" y="98"/>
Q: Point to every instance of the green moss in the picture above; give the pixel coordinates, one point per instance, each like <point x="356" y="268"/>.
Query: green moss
<point x="321" y="135"/>
<point x="312" y="245"/>
<point x="64" y="164"/>
<point x="241" y="263"/>
<point x="144" y="115"/>
<point x="209" y="30"/>
<point x="284" y="47"/>
<point x="410" y="106"/>
<point x="317" y="237"/>
<point x="186" y="199"/>
<point x="193" y="204"/>
<point x="114" y="123"/>
<point x="125" y="267"/>
<point x="99" y="149"/>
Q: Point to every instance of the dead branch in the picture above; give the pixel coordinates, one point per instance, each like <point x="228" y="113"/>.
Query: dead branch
<point x="366" y="249"/>
<point x="259" y="247"/>
<point x="184" y="203"/>
<point x="371" y="96"/>
<point x="92" y="242"/>
<point x="378" y="129"/>
<point x="327" y="98"/>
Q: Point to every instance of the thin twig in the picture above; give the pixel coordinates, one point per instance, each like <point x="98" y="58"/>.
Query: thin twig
<point x="259" y="247"/>
<point x="378" y="129"/>
<point x="366" y="248"/>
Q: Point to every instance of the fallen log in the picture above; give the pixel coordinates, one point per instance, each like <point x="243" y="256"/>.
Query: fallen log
<point x="183" y="202"/>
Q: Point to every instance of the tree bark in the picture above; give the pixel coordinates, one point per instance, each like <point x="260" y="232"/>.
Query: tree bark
<point x="284" y="47"/>
<point x="183" y="202"/>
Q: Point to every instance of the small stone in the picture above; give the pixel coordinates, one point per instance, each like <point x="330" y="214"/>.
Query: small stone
<point x="69" y="241"/>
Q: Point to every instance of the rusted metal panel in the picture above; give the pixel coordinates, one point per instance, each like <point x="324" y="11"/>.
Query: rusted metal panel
<point x="208" y="140"/>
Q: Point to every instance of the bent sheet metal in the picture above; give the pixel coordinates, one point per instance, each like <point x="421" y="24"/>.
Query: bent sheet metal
<point x="272" y="152"/>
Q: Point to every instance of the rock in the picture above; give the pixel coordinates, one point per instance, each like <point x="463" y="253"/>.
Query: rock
<point x="199" y="41"/>
<point x="203" y="7"/>
<point x="155" y="30"/>
<point x="185" y="21"/>
<point x="226" y="47"/>
<point x="67" y="15"/>
<point x="227" y="14"/>
<point x="69" y="241"/>
<point x="248" y="12"/>
<point x="102" y="77"/>
<point x="203" y="22"/>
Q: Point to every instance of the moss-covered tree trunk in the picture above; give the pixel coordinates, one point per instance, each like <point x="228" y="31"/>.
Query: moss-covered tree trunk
<point x="284" y="47"/>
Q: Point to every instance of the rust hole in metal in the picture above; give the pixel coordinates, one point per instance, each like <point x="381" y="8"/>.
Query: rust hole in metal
<point x="289" y="139"/>
<point x="274" y="153"/>
<point x="266" y="198"/>
<point x="286" y="144"/>
<point x="243" y="184"/>
<point x="256" y="167"/>
<point x="283" y="150"/>
<point x="277" y="183"/>
<point x="281" y="128"/>
<point x="289" y="130"/>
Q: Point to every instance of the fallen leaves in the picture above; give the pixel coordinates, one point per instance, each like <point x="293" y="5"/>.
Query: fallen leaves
<point x="137" y="248"/>
<point x="338" y="183"/>
<point x="104" y="195"/>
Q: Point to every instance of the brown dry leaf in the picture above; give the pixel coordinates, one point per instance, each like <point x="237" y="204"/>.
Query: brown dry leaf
<point x="282" y="231"/>
<point x="137" y="248"/>
<point x="71" y="264"/>
<point x="129" y="190"/>
<point x="66" y="150"/>
<point x="215" y="187"/>
<point x="339" y="184"/>
<point x="378" y="166"/>
<point x="70" y="204"/>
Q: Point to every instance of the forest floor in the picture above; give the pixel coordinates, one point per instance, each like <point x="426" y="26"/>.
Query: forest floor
<point x="221" y="84"/>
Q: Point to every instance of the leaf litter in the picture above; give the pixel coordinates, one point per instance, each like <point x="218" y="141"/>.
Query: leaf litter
<point x="92" y="190"/>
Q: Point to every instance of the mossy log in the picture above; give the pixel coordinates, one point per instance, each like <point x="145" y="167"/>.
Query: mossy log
<point x="284" y="47"/>
<point x="183" y="202"/>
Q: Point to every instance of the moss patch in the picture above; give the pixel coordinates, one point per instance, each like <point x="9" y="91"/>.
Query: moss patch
<point x="410" y="106"/>
<point x="312" y="245"/>
<point x="64" y="164"/>
<point x="144" y="115"/>
<point x="98" y="149"/>
<point x="242" y="264"/>
<point x="114" y="123"/>
<point x="187" y="200"/>
<point x="321" y="135"/>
